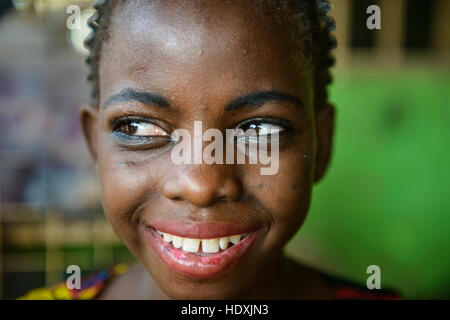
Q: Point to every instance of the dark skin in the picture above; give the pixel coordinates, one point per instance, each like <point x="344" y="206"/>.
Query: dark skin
<point x="172" y="49"/>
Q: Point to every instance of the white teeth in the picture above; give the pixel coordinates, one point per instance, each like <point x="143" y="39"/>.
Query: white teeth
<point x="167" y="237"/>
<point x="210" y="245"/>
<point x="235" y="239"/>
<point x="177" y="242"/>
<point x="223" y="243"/>
<point x="191" y="245"/>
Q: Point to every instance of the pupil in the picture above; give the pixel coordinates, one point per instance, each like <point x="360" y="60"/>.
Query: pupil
<point x="256" y="127"/>
<point x="130" y="128"/>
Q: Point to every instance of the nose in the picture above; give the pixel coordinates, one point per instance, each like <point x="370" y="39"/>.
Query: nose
<point x="202" y="185"/>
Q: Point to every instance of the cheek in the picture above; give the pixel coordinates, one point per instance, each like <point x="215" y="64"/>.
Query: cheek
<point x="124" y="186"/>
<point x="292" y="190"/>
<point x="287" y="194"/>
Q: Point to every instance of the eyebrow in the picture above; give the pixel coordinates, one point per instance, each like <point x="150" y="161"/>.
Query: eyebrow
<point x="259" y="98"/>
<point x="254" y="99"/>
<point x="145" y="97"/>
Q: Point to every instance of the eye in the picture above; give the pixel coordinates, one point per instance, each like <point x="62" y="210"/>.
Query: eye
<point x="257" y="128"/>
<point x="136" y="134"/>
<point x="139" y="128"/>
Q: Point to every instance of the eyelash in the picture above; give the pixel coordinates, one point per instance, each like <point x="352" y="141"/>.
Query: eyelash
<point x="150" y="141"/>
<point x="285" y="125"/>
<point x="129" y="140"/>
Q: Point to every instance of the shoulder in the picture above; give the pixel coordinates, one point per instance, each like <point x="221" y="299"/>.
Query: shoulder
<point x="126" y="286"/>
<point x="91" y="286"/>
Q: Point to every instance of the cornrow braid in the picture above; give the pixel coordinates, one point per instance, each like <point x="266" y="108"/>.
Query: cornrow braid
<point x="327" y="44"/>
<point x="98" y="23"/>
<point x="322" y="42"/>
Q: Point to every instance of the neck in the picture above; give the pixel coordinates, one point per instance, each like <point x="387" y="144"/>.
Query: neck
<point x="275" y="281"/>
<point x="287" y="279"/>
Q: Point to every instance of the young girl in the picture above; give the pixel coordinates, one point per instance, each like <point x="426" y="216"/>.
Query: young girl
<point x="209" y="231"/>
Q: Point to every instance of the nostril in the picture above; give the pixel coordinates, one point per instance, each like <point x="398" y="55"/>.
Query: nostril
<point x="223" y="198"/>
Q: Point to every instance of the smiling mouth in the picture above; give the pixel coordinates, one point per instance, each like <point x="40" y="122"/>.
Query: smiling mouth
<point x="203" y="256"/>
<point x="202" y="247"/>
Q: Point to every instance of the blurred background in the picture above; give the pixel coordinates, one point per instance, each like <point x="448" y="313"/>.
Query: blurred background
<point x="384" y="201"/>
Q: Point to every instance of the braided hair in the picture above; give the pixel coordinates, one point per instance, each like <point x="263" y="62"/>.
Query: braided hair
<point x="315" y="34"/>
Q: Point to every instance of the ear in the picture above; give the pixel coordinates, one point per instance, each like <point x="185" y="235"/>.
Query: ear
<point x="324" y="139"/>
<point x="88" y="116"/>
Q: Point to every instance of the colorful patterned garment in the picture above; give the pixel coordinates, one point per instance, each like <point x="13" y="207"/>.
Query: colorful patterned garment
<point x="93" y="285"/>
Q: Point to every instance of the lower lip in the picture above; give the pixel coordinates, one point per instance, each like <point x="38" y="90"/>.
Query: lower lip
<point x="197" y="266"/>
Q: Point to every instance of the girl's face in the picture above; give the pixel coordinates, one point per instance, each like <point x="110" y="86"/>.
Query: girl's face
<point x="165" y="65"/>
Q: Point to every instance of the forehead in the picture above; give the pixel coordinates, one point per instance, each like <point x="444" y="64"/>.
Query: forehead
<point x="229" y="47"/>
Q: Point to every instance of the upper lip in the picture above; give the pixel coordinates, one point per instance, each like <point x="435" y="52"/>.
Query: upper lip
<point x="201" y="230"/>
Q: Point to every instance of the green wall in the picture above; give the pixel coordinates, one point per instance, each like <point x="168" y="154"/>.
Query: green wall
<point x="386" y="197"/>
